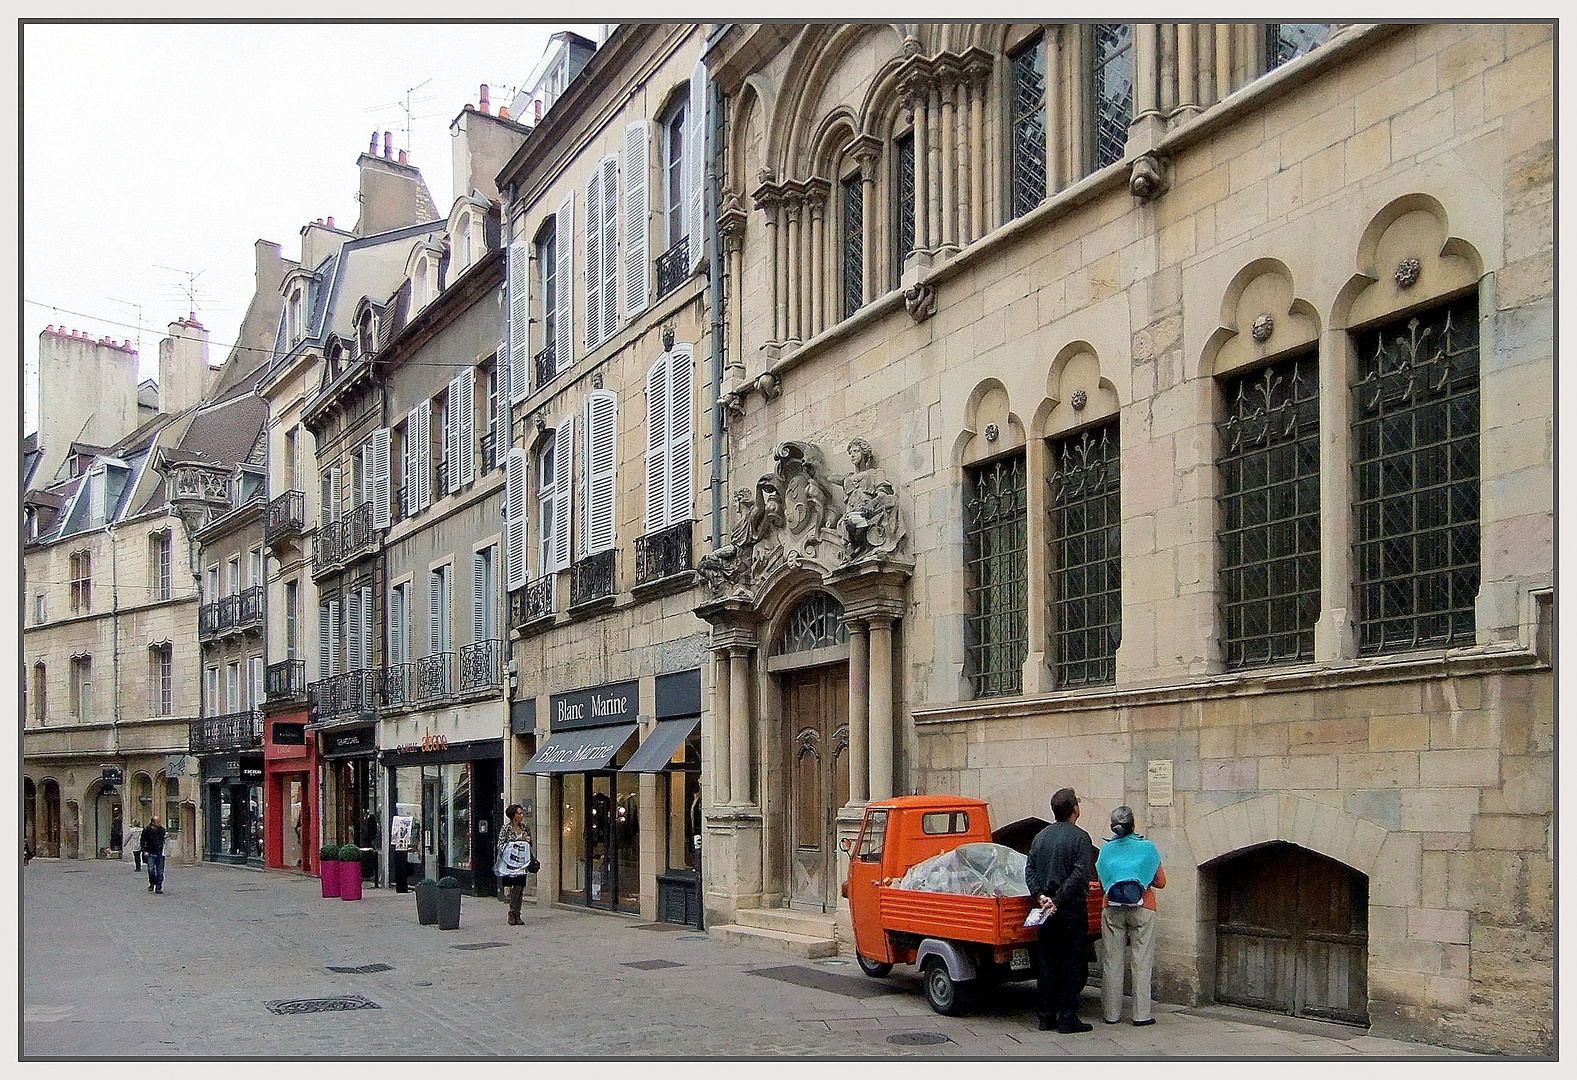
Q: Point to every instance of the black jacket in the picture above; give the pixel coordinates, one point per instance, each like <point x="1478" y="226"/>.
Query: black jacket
<point x="1060" y="863"/>
<point x="153" y="840"/>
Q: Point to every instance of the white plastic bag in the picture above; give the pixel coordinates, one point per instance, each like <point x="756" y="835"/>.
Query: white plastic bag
<point x="970" y="870"/>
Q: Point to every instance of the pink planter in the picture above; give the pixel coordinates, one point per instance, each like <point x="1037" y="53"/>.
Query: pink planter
<point x="350" y="881"/>
<point x="328" y="873"/>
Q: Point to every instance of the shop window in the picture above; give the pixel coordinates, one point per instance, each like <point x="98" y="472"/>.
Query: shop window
<point x="1086" y="585"/>
<point x="1027" y="126"/>
<point x="1111" y="91"/>
<point x="996" y="558"/>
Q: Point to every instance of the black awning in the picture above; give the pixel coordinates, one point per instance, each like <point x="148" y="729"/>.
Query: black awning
<point x="582" y="750"/>
<point x="661" y="745"/>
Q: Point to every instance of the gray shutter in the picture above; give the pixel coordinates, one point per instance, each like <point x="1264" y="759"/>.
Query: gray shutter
<point x="366" y="626"/>
<point x="564" y="290"/>
<point x="518" y="355"/>
<point x="353" y="625"/>
<point x="478" y="599"/>
<point x="434" y="609"/>
<point x="610" y="246"/>
<point x="593" y="242"/>
<point x="602" y="452"/>
<point x="681" y="432"/>
<point x="466" y="430"/>
<point x="379" y="455"/>
<point x="657" y="445"/>
<point x="335" y="494"/>
<point x="422" y="417"/>
<point x="515" y="576"/>
<point x="334" y="638"/>
<point x="563" y="467"/>
<point x="637" y="207"/>
<point x="325" y="642"/>
<point x="695" y="182"/>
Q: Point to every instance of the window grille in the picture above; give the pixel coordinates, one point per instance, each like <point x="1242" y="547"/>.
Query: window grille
<point x="1270" y="506"/>
<point x="1416" y="443"/>
<point x="1086" y="581"/>
<point x="995" y="538"/>
<point x="905" y="169"/>
<point x="853" y="244"/>
<point x="1112" y="94"/>
<point x="1288" y="41"/>
<point x="1027" y="74"/>
<point x="816" y="623"/>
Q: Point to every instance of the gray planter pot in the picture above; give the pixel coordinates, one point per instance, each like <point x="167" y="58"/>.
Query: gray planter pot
<point x="426" y="903"/>
<point x="448" y="908"/>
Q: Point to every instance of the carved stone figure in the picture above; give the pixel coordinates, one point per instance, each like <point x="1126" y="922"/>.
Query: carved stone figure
<point x="870" y="518"/>
<point x="734" y="562"/>
<point x="806" y="496"/>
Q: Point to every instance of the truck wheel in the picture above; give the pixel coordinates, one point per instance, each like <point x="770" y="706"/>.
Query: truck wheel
<point x="876" y="969"/>
<point x="944" y="995"/>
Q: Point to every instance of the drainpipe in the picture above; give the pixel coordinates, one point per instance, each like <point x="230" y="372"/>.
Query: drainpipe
<point x="506" y="412"/>
<point x="109" y="532"/>
<point x="714" y="109"/>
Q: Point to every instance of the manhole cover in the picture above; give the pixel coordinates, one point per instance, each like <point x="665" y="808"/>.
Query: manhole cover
<point x="918" y="1038"/>
<point x="290" y="914"/>
<point x="482" y="945"/>
<point x="250" y="888"/>
<point x="364" y="969"/>
<point x="651" y="965"/>
<point x="423" y="984"/>
<point x="343" y="1003"/>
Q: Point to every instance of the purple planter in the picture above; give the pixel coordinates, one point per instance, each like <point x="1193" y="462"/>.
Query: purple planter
<point x="328" y="873"/>
<point x="350" y="881"/>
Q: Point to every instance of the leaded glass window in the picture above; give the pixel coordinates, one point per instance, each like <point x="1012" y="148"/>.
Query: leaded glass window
<point x="1112" y="92"/>
<point x="1027" y="78"/>
<point x="1086" y="579"/>
<point x="816" y="623"/>
<point x="1270" y="506"/>
<point x="853" y="244"/>
<point x="995" y="539"/>
<point x="1416" y="448"/>
<point x="905" y="169"/>
<point x="1288" y="41"/>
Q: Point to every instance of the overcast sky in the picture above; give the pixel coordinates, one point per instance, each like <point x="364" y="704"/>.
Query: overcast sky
<point x="154" y="146"/>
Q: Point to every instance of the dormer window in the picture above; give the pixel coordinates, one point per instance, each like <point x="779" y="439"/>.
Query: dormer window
<point x="366" y="334"/>
<point x="294" y="313"/>
<point x="463" y="242"/>
<point x="421" y="284"/>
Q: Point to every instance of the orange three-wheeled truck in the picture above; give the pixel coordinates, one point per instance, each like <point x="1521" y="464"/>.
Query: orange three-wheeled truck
<point x="959" y="942"/>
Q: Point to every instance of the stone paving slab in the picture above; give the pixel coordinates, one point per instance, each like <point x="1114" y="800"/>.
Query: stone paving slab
<point x="110" y="970"/>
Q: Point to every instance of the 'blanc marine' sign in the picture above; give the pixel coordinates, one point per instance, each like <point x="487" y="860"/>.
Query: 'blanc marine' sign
<point x="615" y="703"/>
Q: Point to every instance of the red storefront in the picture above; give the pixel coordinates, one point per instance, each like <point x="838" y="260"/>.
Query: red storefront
<point x="290" y="798"/>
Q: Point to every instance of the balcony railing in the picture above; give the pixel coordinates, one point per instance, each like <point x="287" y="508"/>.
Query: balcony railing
<point x="673" y="267"/>
<point x="397" y="506"/>
<point x="356" y="532"/>
<point x="546" y="366"/>
<point x="490" y="450"/>
<point x="441" y="481"/>
<point x="532" y="603"/>
<point x="208" y="621"/>
<point x="399" y="685"/>
<point x="341" y="695"/>
<point x="248" y="605"/>
<point x="663" y="553"/>
<point x="284" y="516"/>
<point x="230" y="732"/>
<point x="285" y="681"/>
<point x="326" y="547"/>
<point x="591" y="578"/>
<point x="481" y="666"/>
<point x="435" y="678"/>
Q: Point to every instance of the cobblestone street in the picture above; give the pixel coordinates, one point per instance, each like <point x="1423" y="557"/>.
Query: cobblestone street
<point x="112" y="970"/>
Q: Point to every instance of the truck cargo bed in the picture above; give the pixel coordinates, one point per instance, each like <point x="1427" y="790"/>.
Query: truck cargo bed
<point x="989" y="920"/>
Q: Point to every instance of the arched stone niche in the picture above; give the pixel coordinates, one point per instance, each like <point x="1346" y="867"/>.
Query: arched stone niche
<point x="1077" y="394"/>
<point x="991" y="428"/>
<point x="1261" y="317"/>
<point x="1407" y="259"/>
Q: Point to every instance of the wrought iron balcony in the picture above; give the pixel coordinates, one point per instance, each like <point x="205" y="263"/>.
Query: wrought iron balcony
<point x="356" y="532"/>
<point x="441" y="481"/>
<point x="546" y="365"/>
<point x="481" y="666"/>
<point x="397" y="505"/>
<point x="284" y="516"/>
<point x="591" y="578"/>
<point x="399" y="685"/>
<point x="663" y="553"/>
<point x="490" y="450"/>
<point x="532" y="603"/>
<point x="227" y="733"/>
<point x="285" y="681"/>
<point x="326" y="545"/>
<point x="248" y="606"/>
<point x="435" y="678"/>
<point x="208" y="621"/>
<point x="673" y="267"/>
<point x="344" y="694"/>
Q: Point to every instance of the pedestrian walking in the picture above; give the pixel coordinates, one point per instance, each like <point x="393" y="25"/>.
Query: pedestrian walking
<point x="153" y="854"/>
<point x="27" y="851"/>
<point x="1058" y="874"/>
<point x="514" y="860"/>
<point x="1129" y="867"/>
<point x="134" y="844"/>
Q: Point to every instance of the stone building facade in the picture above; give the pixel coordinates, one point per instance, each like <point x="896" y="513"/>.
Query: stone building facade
<point x="1162" y="411"/>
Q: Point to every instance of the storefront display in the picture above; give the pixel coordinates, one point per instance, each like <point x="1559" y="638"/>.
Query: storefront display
<point x="451" y="794"/>
<point x="290" y="799"/>
<point x="350" y="792"/>
<point x="233" y="808"/>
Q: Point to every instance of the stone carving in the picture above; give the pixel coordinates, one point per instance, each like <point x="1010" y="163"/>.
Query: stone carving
<point x="1407" y="273"/>
<point x="768" y="386"/>
<point x="1080" y="399"/>
<point x="992" y="432"/>
<point x="1263" y="327"/>
<point x="870" y="520"/>
<point x="733" y="563"/>
<point x="1148" y="179"/>
<point x="806" y="497"/>
<point x="920" y="300"/>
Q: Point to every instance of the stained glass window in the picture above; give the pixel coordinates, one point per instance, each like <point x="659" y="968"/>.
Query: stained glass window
<point x="905" y="169"/>
<point x="995" y="539"/>
<point x="853" y="244"/>
<point x="1086" y="578"/>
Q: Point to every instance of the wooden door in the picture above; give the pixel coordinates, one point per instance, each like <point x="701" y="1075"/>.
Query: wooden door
<point x="817" y="726"/>
<point x="1292" y="934"/>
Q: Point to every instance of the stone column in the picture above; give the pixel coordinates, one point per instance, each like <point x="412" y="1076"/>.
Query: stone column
<point x="920" y="105"/>
<point x="547" y="834"/>
<point x="739" y="724"/>
<point x="721" y="722"/>
<point x="979" y="78"/>
<point x="867" y="159"/>
<point x="948" y="203"/>
<point x="859" y="714"/>
<point x="1187" y="70"/>
<point x="816" y="267"/>
<point x="1167" y="70"/>
<point x="1223" y="64"/>
<point x="736" y="273"/>
<point x="769" y="206"/>
<point x="881" y="719"/>
<point x="933" y="168"/>
<point x="795" y="268"/>
<point x="1146" y="54"/>
<point x="1036" y="674"/>
<point x="781" y="274"/>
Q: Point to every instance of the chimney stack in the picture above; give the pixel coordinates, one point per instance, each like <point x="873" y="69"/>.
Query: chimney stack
<point x="402" y="157"/>
<point x="388" y="145"/>
<point x="330" y="221"/>
<point x="503" y="112"/>
<point x="372" y="147"/>
<point x="483" y="104"/>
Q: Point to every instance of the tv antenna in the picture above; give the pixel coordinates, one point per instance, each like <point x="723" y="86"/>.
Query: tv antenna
<point x="407" y="106"/>
<point x="138" y="309"/>
<point x="189" y="290"/>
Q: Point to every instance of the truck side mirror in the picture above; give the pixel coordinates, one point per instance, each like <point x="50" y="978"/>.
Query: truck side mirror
<point x="847" y="844"/>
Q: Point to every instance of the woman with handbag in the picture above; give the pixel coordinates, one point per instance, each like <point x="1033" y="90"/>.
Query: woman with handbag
<point x="514" y="860"/>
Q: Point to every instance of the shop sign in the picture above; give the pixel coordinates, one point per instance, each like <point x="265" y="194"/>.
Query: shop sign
<point x="175" y="765"/>
<point x="112" y="774"/>
<point x="615" y="703"/>
<point x="430" y="744"/>
<point x="287" y="734"/>
<point x="345" y="742"/>
<point x="252" y="773"/>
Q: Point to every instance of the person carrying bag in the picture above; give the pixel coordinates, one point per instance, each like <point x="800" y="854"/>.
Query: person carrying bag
<point x="515" y="859"/>
<point x="1129" y="867"/>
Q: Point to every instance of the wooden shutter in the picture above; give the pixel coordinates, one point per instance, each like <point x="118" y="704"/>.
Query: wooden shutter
<point x="695" y="182"/>
<point x="610" y="245"/>
<point x="254" y="673"/>
<point x="681" y="432"/>
<point x="517" y="356"/>
<point x="637" y="214"/>
<point x="593" y="272"/>
<point x="468" y="426"/>
<point x="420" y="431"/>
<point x="396" y="611"/>
<point x="409" y="466"/>
<point x="353" y="626"/>
<point x="366" y="626"/>
<point x="335" y="494"/>
<point x="434" y="609"/>
<point x="564" y="289"/>
<point x="478" y="599"/>
<point x="602" y="455"/>
<point x="657" y="445"/>
<point x="378" y="456"/>
<point x="515" y="519"/>
<point x="334" y="638"/>
<point x="563" y="459"/>
<point x="325" y="644"/>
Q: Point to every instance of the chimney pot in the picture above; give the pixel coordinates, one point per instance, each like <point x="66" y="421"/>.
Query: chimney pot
<point x="388" y="144"/>
<point x="50" y="329"/>
<point x="330" y="221"/>
<point x="402" y="157"/>
<point x="372" y="147"/>
<point x="483" y="103"/>
<point x="503" y="112"/>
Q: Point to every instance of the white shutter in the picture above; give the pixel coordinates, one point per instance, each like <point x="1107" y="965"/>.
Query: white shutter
<point x="434" y="610"/>
<point x="466" y="431"/>
<point x="518" y="355"/>
<point x="451" y="418"/>
<point x="681" y="432"/>
<point x="695" y="182"/>
<point x="334" y="637"/>
<point x="334" y="494"/>
<point x="637" y="207"/>
<point x="410" y="467"/>
<point x="422" y="426"/>
<point x="593" y="269"/>
<point x="378" y="455"/>
<point x="657" y="445"/>
<point x="325" y="644"/>
<point x="395" y="613"/>
<point x="478" y="599"/>
<point x="515" y="519"/>
<point x="254" y="681"/>
<point x="353" y="625"/>
<point x="564" y="276"/>
<point x="610" y="246"/>
<point x="602" y="445"/>
<point x="563" y="458"/>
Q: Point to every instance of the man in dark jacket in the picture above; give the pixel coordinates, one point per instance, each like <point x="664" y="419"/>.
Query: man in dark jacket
<point x="153" y="854"/>
<point x="1058" y="875"/>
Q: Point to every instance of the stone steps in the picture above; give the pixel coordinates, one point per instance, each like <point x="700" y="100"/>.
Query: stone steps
<point x="798" y="933"/>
